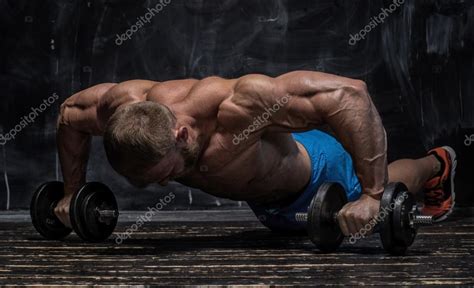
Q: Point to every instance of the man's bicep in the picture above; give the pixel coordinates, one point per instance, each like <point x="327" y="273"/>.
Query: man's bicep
<point x="300" y="112"/>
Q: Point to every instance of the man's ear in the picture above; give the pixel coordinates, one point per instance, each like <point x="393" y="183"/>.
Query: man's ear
<point x="182" y="135"/>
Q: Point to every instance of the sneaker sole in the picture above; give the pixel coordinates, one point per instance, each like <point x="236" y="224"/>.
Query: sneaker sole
<point x="454" y="163"/>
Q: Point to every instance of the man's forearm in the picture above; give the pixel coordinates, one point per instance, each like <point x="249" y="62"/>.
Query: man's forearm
<point x="73" y="149"/>
<point x="360" y="129"/>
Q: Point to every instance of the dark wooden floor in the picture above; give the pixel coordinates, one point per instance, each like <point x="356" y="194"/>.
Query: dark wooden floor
<point x="224" y="253"/>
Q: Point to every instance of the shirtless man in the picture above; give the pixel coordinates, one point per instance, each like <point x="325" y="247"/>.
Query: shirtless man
<point x="255" y="136"/>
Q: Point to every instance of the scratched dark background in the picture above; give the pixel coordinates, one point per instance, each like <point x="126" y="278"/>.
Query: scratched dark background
<point x="418" y="65"/>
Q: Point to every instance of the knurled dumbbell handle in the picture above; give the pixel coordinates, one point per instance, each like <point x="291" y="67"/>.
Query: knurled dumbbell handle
<point x="303" y="217"/>
<point x="421" y="220"/>
<point x="107" y="214"/>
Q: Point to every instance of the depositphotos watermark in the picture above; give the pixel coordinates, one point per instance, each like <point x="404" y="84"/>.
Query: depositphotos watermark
<point x="261" y="120"/>
<point x="28" y="119"/>
<point x="119" y="238"/>
<point x="468" y="140"/>
<point x="127" y="35"/>
<point x="375" y="21"/>
<point x="383" y="213"/>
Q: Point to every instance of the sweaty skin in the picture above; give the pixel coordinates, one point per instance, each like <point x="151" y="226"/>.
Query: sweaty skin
<point x="267" y="167"/>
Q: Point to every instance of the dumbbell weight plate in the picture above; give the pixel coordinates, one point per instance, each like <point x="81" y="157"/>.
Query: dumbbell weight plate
<point x="402" y="231"/>
<point x="323" y="231"/>
<point x="387" y="232"/>
<point x="84" y="217"/>
<point x="42" y="211"/>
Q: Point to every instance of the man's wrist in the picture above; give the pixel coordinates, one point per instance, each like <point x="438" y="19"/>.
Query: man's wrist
<point x="374" y="193"/>
<point x="375" y="196"/>
<point x="71" y="189"/>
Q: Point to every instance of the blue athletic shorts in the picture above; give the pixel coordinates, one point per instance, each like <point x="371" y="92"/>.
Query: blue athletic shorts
<point x="329" y="163"/>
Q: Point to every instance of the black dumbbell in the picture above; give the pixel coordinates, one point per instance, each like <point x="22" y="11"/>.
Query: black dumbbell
<point x="42" y="214"/>
<point x="93" y="211"/>
<point x="397" y="222"/>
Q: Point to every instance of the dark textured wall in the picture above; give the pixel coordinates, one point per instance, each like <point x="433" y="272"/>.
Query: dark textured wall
<point x="418" y="65"/>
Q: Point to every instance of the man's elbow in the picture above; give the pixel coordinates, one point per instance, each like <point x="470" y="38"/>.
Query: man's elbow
<point x="356" y="88"/>
<point x="357" y="94"/>
<point x="360" y="86"/>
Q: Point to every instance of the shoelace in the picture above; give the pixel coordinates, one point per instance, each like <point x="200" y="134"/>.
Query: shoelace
<point x="434" y="197"/>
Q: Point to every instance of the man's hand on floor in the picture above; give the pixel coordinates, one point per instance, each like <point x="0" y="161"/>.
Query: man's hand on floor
<point x="355" y="215"/>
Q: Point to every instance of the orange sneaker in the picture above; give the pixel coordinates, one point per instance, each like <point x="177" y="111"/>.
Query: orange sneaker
<point x="439" y="190"/>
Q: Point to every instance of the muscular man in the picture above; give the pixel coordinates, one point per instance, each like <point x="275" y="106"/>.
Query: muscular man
<point x="251" y="139"/>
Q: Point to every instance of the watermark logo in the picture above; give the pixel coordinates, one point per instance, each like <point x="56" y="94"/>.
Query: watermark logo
<point x="375" y="21"/>
<point x="28" y="119"/>
<point x="141" y="21"/>
<point x="468" y="140"/>
<point x="261" y="120"/>
<point x="119" y="238"/>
